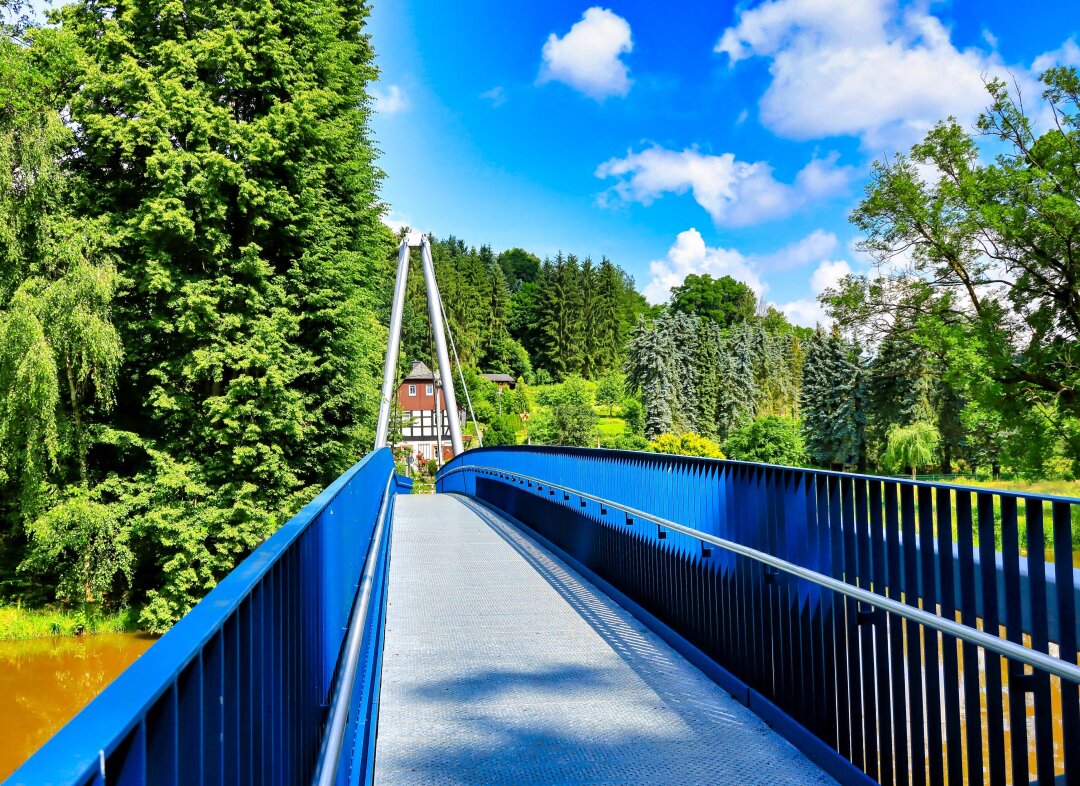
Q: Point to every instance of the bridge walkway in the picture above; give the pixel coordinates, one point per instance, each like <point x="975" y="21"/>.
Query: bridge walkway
<point x="504" y="666"/>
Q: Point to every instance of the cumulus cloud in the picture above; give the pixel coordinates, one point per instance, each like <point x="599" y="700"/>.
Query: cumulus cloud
<point x="589" y="57"/>
<point x="391" y="100"/>
<point x="1068" y="54"/>
<point x="735" y="193"/>
<point x="689" y="254"/>
<point x="808" y="311"/>
<point x="865" y="68"/>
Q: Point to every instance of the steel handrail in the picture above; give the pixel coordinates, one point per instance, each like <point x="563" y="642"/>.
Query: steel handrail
<point x="330" y="749"/>
<point x="1003" y="647"/>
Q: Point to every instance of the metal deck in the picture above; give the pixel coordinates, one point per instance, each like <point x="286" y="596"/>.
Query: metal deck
<point x="503" y="666"/>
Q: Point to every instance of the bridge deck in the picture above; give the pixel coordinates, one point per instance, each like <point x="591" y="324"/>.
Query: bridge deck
<point x="503" y="666"/>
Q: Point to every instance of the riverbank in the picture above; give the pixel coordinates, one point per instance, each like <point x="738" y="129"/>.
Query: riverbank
<point x="18" y="623"/>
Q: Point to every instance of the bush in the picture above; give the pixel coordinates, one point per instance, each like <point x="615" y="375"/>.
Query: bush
<point x="686" y="445"/>
<point x="634" y="415"/>
<point x="571" y="419"/>
<point x="770" y="440"/>
<point x="503" y="431"/>
<point x="432" y="467"/>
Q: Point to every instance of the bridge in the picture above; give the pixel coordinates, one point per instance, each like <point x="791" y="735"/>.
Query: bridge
<point x="564" y="615"/>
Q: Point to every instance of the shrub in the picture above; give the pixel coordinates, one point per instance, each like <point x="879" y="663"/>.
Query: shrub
<point x="686" y="445"/>
<point x="771" y="440"/>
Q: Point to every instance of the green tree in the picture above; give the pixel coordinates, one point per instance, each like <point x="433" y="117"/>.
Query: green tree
<point x="570" y="418"/>
<point x="650" y="372"/>
<point x="771" y="440"/>
<point x="610" y="391"/>
<point x="225" y="150"/>
<point x="911" y="446"/>
<point x="723" y="300"/>
<point x="990" y="250"/>
<point x="832" y="402"/>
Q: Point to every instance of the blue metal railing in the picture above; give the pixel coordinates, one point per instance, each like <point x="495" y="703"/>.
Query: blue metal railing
<point x="237" y="692"/>
<point x="874" y="613"/>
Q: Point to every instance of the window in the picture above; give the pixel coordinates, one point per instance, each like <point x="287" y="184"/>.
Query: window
<point x="428" y="389"/>
<point x="412" y="390"/>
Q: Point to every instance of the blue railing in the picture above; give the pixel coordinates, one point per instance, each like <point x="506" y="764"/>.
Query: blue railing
<point x="238" y="691"/>
<point x="890" y="628"/>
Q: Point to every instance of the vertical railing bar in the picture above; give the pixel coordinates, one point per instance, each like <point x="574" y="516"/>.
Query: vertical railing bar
<point x="995" y="716"/>
<point x="1044" y="727"/>
<point x="931" y="657"/>
<point x="1066" y="602"/>
<point x="973" y="723"/>
<point x="949" y="651"/>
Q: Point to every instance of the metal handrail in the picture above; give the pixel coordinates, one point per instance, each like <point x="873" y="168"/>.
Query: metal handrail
<point x="333" y="736"/>
<point x="1003" y="647"/>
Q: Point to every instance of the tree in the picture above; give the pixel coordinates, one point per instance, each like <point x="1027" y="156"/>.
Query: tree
<point x="570" y="419"/>
<point x="650" y="372"/>
<point x="771" y="440"/>
<point x="912" y="446"/>
<point x="686" y="444"/>
<point x="831" y="402"/>
<point x="723" y="300"/>
<point x="610" y="391"/>
<point x="239" y="195"/>
<point x="989" y="246"/>
<point x="502" y="431"/>
<point x="519" y="266"/>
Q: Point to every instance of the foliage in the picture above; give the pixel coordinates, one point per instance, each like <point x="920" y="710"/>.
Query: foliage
<point x="570" y="418"/>
<point x="87" y="543"/>
<point x="912" y="446"/>
<point x="772" y="439"/>
<point x="831" y="402"/>
<point x="686" y="444"/>
<point x="722" y="300"/>
<point x="502" y="431"/>
<point x="193" y="270"/>
<point x="610" y="391"/>
<point x="18" y="623"/>
<point x="987" y="281"/>
<point x="634" y="416"/>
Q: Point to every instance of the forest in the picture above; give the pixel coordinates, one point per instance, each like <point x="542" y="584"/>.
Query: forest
<point x="196" y="282"/>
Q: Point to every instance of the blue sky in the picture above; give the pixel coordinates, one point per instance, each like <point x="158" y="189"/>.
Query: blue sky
<point x="682" y="136"/>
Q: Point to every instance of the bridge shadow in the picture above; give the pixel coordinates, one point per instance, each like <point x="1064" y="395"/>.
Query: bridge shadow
<point x="556" y="723"/>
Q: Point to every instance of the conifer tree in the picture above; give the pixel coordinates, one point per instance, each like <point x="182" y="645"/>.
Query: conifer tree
<point x="650" y="370"/>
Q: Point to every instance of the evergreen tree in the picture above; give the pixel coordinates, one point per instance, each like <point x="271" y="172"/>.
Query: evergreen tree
<point x="650" y="371"/>
<point x="832" y="402"/>
<point x="225" y="149"/>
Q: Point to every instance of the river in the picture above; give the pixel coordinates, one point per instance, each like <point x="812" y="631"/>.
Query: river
<point x="45" y="682"/>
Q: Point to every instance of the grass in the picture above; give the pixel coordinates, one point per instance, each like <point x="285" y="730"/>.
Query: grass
<point x="18" y="623"/>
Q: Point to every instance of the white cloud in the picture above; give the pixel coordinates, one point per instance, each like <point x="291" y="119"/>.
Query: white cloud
<point x="395" y="221"/>
<point x="689" y="255"/>
<point x="391" y="100"/>
<point x="863" y="68"/>
<point x="496" y="95"/>
<point x="816" y="246"/>
<point x="735" y="193"/>
<point x="808" y="311"/>
<point x="588" y="58"/>
<point x="1068" y="54"/>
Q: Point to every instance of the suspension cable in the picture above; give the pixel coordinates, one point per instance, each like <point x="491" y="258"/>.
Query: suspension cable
<point x="461" y="375"/>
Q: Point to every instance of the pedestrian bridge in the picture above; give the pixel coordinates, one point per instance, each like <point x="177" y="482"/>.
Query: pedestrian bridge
<point x="560" y="615"/>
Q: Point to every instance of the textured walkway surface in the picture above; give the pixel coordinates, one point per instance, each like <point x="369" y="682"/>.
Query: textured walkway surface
<point x="503" y="666"/>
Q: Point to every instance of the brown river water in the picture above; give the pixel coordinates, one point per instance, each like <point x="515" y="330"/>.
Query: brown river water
<point x="45" y="682"/>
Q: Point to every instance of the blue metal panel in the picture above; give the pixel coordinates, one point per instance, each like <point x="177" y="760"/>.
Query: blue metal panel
<point x="850" y="673"/>
<point x="236" y="691"/>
